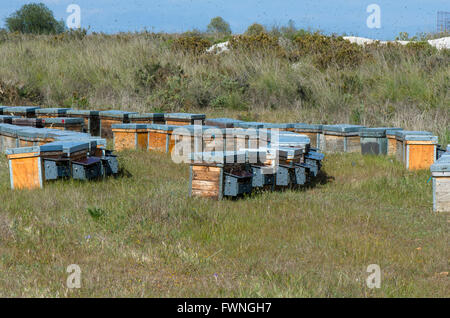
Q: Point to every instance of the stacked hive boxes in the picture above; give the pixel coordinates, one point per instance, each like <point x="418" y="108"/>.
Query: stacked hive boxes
<point x="91" y="120"/>
<point x="340" y="138"/>
<point x="147" y="118"/>
<point x="110" y="117"/>
<point x="313" y="131"/>
<point x="182" y="119"/>
<point x="22" y="111"/>
<point x="51" y="112"/>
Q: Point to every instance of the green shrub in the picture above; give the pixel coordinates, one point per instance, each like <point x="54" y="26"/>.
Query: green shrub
<point x="34" y="18"/>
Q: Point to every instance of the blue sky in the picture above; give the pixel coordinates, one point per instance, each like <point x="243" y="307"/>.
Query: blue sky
<point x="330" y="16"/>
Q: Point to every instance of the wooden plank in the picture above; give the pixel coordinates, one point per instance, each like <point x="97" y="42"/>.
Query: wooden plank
<point x="106" y="127"/>
<point x="25" y="173"/>
<point x="392" y="144"/>
<point x="205" y="185"/>
<point x="204" y="194"/>
<point x="420" y="156"/>
<point x="353" y="144"/>
<point x="157" y="141"/>
<point x="334" y="143"/>
<point x="142" y="140"/>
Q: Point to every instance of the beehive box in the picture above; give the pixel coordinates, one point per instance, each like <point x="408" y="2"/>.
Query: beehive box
<point x="26" y="165"/>
<point x="51" y="112"/>
<point x="147" y="118"/>
<point x="97" y="145"/>
<point x="440" y="172"/>
<point x="249" y="125"/>
<point x="391" y="141"/>
<point x="420" y="151"/>
<point x="160" y="137"/>
<point x="130" y="136"/>
<point x="64" y="123"/>
<point x="23" y="111"/>
<point x="28" y="137"/>
<point x="7" y="119"/>
<point x="399" y="144"/>
<point x="2" y="108"/>
<point x="110" y="117"/>
<point x="238" y="139"/>
<point x="220" y="174"/>
<point x="313" y="131"/>
<point x="263" y="171"/>
<point x="373" y="141"/>
<point x="29" y="122"/>
<point x="9" y="136"/>
<point x="340" y="138"/>
<point x="181" y="119"/>
<point x="222" y="122"/>
<point x="91" y="120"/>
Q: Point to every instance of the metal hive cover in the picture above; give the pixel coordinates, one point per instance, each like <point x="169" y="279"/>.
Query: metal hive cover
<point x="317" y="127"/>
<point x="21" y="109"/>
<point x="115" y="113"/>
<point x="191" y="130"/>
<point x="184" y="116"/>
<point x="421" y="138"/>
<point x="84" y="112"/>
<point x="343" y="128"/>
<point x="249" y="124"/>
<point x="147" y="116"/>
<point x="403" y="133"/>
<point x="442" y="165"/>
<point x="278" y="125"/>
<point x="63" y="120"/>
<point x="162" y="127"/>
<point x="222" y="122"/>
<point x="12" y="129"/>
<point x="28" y="132"/>
<point x="53" y="110"/>
<point x="129" y="126"/>
<point x="373" y="132"/>
<point x="392" y="131"/>
<point x="15" y="151"/>
<point x="219" y="157"/>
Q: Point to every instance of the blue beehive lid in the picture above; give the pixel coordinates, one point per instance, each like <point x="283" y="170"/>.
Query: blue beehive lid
<point x="53" y="110"/>
<point x="315" y="155"/>
<point x="219" y="157"/>
<point x="278" y="125"/>
<point x="343" y="128"/>
<point x="308" y="127"/>
<point x="442" y="165"/>
<point x="421" y="138"/>
<point x="373" y="132"/>
<point x="222" y="122"/>
<point x="82" y="112"/>
<point x="129" y="126"/>
<point x="21" y="109"/>
<point x="11" y="129"/>
<point x="162" y="127"/>
<point x="249" y="124"/>
<point x="184" y="116"/>
<point x="392" y="130"/>
<point x="15" y="151"/>
<point x="29" y="132"/>
<point x="63" y="120"/>
<point x="251" y="132"/>
<point x="402" y="133"/>
<point x="115" y="113"/>
<point x="281" y="152"/>
<point x="147" y="116"/>
<point x="72" y="145"/>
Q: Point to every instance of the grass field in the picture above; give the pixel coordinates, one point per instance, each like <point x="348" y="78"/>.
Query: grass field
<point x="140" y="235"/>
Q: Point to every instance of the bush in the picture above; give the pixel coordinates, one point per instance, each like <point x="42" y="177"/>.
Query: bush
<point x="34" y="18"/>
<point x="191" y="44"/>
<point x="261" y="41"/>
<point x="155" y="74"/>
<point x="255" y="29"/>
<point x="219" y="26"/>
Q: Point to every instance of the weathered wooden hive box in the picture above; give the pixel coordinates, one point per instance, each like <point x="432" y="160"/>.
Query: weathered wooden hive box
<point x="130" y="136"/>
<point x="196" y="138"/>
<point x="9" y="136"/>
<point x="313" y="131"/>
<point x="340" y="138"/>
<point x="160" y="137"/>
<point x="26" y="165"/>
<point x="23" y="111"/>
<point x="420" y="151"/>
<point x="7" y="119"/>
<point x="29" y="122"/>
<point x="181" y="119"/>
<point x="399" y="141"/>
<point x="440" y="172"/>
<point x="28" y="137"/>
<point x="90" y="117"/>
<point x="222" y="122"/>
<point x="64" y="123"/>
<point x="51" y="112"/>
<point x="147" y="118"/>
<point x="110" y="117"/>
<point x="373" y="141"/>
<point x="219" y="174"/>
<point x="391" y="140"/>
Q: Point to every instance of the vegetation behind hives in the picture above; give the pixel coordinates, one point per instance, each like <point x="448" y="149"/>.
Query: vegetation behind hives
<point x="282" y="74"/>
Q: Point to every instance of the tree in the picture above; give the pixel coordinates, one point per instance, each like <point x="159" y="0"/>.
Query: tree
<point x="34" y="18"/>
<point x="255" y="29"/>
<point x="218" y="25"/>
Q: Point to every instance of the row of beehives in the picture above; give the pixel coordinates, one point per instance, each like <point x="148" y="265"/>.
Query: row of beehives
<point x="38" y="155"/>
<point x="228" y="161"/>
<point x="94" y="122"/>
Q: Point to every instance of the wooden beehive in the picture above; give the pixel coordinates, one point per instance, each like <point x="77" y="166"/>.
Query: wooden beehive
<point x="181" y="119"/>
<point x="9" y="136"/>
<point x="91" y="120"/>
<point x="29" y="122"/>
<point x="391" y="141"/>
<point x="313" y="131"/>
<point x="159" y="137"/>
<point x="22" y="111"/>
<point x="147" y="118"/>
<point x="51" y="112"/>
<point x="7" y="119"/>
<point x="26" y="165"/>
<point x="64" y="123"/>
<point x="340" y="138"/>
<point x="373" y="141"/>
<point x="399" y="144"/>
<point x="130" y="136"/>
<point x="440" y="172"/>
<point x="219" y="174"/>
<point x="110" y="117"/>
<point x="420" y="151"/>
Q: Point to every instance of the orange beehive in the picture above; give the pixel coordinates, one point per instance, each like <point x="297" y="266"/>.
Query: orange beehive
<point x="130" y="136"/>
